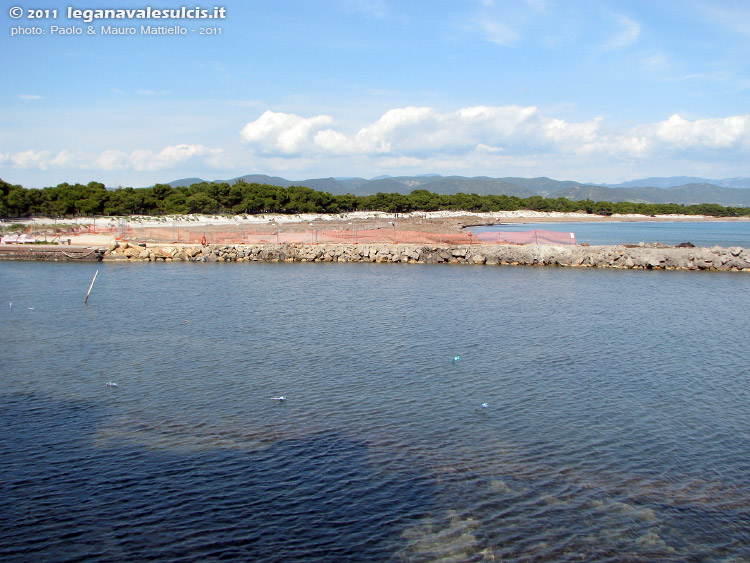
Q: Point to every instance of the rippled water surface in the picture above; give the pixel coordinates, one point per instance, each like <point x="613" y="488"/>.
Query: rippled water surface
<point x="699" y="233"/>
<point x="616" y="425"/>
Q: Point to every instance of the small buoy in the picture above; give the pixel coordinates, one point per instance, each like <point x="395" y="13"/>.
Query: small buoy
<point x="456" y="358"/>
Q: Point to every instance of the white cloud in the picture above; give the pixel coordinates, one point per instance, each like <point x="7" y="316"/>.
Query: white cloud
<point x="508" y="131"/>
<point x="722" y="133"/>
<point x="656" y="62"/>
<point x="168" y="157"/>
<point x="475" y="140"/>
<point x="30" y="97"/>
<point x="628" y="34"/>
<point x="31" y="159"/>
<point x="283" y="132"/>
<point x="113" y="159"/>
<point x="497" y="31"/>
<point x="416" y="131"/>
<point x="67" y="159"/>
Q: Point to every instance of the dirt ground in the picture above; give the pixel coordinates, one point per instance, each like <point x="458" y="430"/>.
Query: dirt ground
<point x="439" y="222"/>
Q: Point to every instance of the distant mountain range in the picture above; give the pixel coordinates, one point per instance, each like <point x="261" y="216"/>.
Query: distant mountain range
<point x="676" y="181"/>
<point x="731" y="192"/>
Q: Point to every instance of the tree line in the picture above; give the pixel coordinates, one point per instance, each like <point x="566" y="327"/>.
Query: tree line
<point x="79" y="200"/>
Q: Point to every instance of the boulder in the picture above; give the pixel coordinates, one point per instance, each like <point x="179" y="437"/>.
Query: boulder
<point x="478" y="259"/>
<point x="164" y="251"/>
<point x="131" y="252"/>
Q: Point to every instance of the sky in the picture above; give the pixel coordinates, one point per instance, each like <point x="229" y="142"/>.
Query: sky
<point x="585" y="90"/>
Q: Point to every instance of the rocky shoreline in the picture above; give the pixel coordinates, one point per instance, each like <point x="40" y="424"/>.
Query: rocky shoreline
<point x="638" y="257"/>
<point x="50" y="253"/>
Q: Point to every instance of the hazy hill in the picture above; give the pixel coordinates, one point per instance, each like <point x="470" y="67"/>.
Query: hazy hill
<point x="734" y="191"/>
<point x="480" y="185"/>
<point x="688" y="194"/>
<point x="185" y="182"/>
<point x="543" y="186"/>
<point x="330" y="185"/>
<point x="676" y="181"/>
<point x="385" y="185"/>
<point x="709" y="193"/>
<point x="260" y="179"/>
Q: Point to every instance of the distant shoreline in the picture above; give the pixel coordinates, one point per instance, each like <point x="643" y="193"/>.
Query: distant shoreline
<point x="497" y="217"/>
<point x="102" y="232"/>
<point x="437" y="222"/>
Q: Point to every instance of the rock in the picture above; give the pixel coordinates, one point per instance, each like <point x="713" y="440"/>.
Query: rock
<point x="131" y="252"/>
<point x="643" y="256"/>
<point x="478" y="259"/>
<point x="492" y="260"/>
<point x="655" y="262"/>
<point x="164" y="252"/>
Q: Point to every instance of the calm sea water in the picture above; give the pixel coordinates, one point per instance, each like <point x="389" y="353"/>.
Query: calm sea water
<point x="700" y="233"/>
<point x="616" y="425"/>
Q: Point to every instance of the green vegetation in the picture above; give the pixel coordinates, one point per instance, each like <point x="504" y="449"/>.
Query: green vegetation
<point x="92" y="199"/>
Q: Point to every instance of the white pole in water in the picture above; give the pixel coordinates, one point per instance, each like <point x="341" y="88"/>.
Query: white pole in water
<point x="91" y="286"/>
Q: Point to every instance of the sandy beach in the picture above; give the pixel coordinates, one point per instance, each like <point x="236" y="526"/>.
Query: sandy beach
<point x="435" y="222"/>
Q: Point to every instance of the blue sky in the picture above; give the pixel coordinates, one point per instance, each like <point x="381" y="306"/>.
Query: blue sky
<point x="600" y="91"/>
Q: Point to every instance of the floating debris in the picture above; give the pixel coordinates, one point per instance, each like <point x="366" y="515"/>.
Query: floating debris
<point x="484" y="405"/>
<point x="111" y="384"/>
<point x="282" y="398"/>
<point x="455" y="359"/>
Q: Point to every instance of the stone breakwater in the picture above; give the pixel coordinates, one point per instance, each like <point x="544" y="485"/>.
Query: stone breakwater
<point x="54" y="253"/>
<point x="642" y="257"/>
